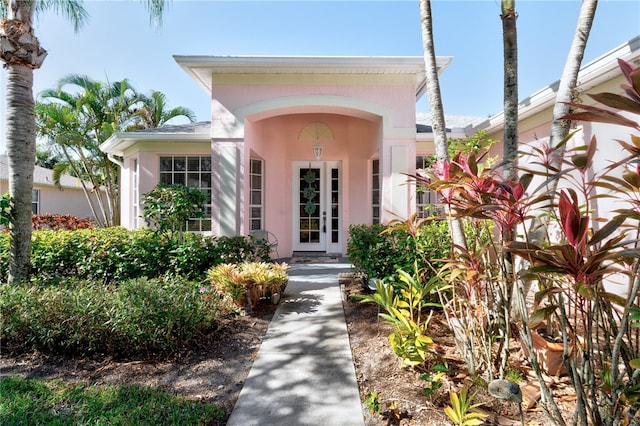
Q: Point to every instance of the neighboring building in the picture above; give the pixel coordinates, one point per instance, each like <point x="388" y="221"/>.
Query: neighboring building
<point x="47" y="197"/>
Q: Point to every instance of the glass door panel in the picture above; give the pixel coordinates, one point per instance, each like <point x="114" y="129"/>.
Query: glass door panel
<point x="310" y="209"/>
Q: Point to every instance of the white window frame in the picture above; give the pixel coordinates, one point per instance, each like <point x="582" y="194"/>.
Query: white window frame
<point x="256" y="222"/>
<point x="200" y="225"/>
<point x="35" y="201"/>
<point x="135" y="198"/>
<point x="376" y="191"/>
<point x="427" y="200"/>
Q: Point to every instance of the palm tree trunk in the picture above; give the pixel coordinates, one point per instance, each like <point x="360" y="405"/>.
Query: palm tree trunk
<point x="21" y="147"/>
<point x="568" y="81"/>
<point x="21" y="52"/>
<point x="435" y="103"/>
<point x="508" y="17"/>
<point x="510" y="52"/>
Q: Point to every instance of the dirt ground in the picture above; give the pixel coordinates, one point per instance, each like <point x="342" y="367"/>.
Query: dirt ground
<point x="216" y="371"/>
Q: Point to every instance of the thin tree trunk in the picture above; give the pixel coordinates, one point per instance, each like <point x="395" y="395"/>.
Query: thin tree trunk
<point x="87" y="192"/>
<point x="21" y="147"/>
<point x="510" y="165"/>
<point x="569" y="80"/>
<point x="510" y="52"/>
<point x="435" y="103"/>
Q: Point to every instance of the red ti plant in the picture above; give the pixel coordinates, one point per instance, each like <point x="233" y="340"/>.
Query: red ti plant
<point x="577" y="273"/>
<point x="478" y="304"/>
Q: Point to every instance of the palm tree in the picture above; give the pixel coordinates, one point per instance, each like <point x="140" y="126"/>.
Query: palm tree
<point x="435" y="103"/>
<point x="433" y="85"/>
<point x="154" y="112"/>
<point x="21" y="51"/>
<point x="78" y="121"/>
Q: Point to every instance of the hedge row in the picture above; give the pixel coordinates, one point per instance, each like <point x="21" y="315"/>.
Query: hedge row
<point x="116" y="254"/>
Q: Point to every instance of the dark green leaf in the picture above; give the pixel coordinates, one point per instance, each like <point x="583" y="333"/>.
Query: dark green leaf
<point x="607" y="230"/>
<point x="541" y="315"/>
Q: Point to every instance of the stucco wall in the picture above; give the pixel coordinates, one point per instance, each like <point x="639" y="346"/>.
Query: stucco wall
<point x="275" y="140"/>
<point x="69" y="201"/>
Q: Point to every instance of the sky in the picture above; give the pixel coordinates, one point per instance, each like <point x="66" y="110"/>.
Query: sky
<point x="118" y="41"/>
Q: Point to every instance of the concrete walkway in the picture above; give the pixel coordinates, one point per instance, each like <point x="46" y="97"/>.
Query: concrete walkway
<point x="303" y="373"/>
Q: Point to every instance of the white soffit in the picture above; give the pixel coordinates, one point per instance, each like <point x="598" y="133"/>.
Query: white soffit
<point x="202" y="68"/>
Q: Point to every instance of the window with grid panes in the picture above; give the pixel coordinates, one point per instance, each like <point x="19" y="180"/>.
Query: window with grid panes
<point x="375" y="192"/>
<point x="256" y="194"/>
<point x="134" y="193"/>
<point x="427" y="203"/>
<point x="193" y="172"/>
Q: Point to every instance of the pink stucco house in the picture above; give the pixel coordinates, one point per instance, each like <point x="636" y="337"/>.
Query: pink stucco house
<point x="305" y="146"/>
<point x="299" y="146"/>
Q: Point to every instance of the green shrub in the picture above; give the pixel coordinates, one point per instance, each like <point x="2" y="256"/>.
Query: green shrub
<point x="378" y="251"/>
<point x="116" y="254"/>
<point x="83" y="317"/>
<point x="167" y="208"/>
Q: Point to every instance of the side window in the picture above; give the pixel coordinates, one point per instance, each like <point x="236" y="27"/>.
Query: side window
<point x="375" y="191"/>
<point x="427" y="203"/>
<point x="35" y="201"/>
<point x="134" y="194"/>
<point x="256" y="194"/>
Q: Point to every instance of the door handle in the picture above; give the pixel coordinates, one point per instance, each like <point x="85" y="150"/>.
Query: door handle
<point x="324" y="222"/>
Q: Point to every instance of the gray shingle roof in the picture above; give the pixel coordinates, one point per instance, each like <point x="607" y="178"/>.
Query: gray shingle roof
<point x="41" y="175"/>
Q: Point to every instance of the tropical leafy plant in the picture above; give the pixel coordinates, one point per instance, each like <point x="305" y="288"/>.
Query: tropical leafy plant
<point x="433" y="380"/>
<point x="461" y="409"/>
<point x="405" y="304"/>
<point x="372" y="402"/>
<point x="591" y="250"/>
<point x="255" y="279"/>
<point x="478" y="302"/>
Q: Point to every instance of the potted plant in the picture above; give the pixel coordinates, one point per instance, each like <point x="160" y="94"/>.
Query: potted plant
<point x="227" y="280"/>
<point x="548" y="350"/>
<point x="250" y="281"/>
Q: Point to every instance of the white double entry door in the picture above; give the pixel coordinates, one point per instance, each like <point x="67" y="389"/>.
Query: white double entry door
<point x="317" y="199"/>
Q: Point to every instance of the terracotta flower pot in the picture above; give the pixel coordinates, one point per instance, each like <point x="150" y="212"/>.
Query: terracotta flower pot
<point x="257" y="292"/>
<point x="548" y="353"/>
<point x="241" y="300"/>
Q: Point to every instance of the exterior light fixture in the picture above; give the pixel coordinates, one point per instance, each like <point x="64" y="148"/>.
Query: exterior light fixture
<point x="317" y="150"/>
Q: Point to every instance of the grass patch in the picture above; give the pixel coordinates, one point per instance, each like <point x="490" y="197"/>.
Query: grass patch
<point x="36" y="402"/>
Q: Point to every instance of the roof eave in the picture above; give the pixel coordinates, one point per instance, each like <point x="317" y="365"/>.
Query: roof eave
<point x="118" y="143"/>
<point x="201" y="68"/>
<point x="590" y="76"/>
